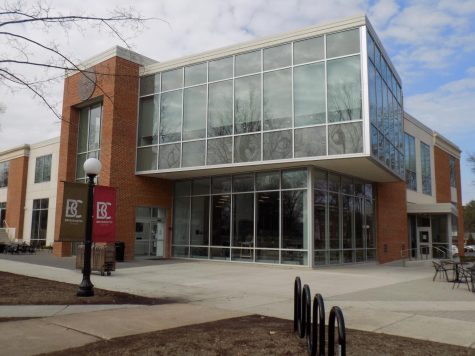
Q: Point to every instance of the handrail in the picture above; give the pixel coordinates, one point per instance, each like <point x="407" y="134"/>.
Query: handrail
<point x="405" y="253"/>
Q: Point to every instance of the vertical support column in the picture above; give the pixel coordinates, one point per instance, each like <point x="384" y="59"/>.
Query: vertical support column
<point x="310" y="222"/>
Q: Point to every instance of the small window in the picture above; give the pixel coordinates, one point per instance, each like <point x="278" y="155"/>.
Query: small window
<point x="43" y="169"/>
<point x="453" y="182"/>
<point x="4" y="174"/>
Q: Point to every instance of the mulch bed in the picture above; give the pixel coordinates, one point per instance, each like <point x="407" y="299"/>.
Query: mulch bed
<point x="23" y="290"/>
<point x="254" y="335"/>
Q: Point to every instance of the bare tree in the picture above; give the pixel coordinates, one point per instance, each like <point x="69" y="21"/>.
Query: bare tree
<point x="19" y="19"/>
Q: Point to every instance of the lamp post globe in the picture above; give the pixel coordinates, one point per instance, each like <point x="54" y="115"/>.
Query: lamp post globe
<point x="92" y="167"/>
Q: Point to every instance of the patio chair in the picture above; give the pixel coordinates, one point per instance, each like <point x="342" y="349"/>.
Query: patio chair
<point x="464" y="276"/>
<point x="439" y="270"/>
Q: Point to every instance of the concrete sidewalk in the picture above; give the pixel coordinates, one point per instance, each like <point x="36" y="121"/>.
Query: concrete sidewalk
<point x="35" y="336"/>
<point x="387" y="299"/>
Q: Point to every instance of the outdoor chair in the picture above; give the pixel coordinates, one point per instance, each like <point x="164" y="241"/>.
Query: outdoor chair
<point x="440" y="270"/>
<point x="464" y="276"/>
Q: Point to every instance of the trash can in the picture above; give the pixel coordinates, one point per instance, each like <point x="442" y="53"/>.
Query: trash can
<point x="119" y="251"/>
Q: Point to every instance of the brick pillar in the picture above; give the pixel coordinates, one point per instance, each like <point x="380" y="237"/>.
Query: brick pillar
<point x="17" y="175"/>
<point x="391" y="221"/>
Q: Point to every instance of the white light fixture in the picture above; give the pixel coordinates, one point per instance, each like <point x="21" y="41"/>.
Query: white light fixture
<point x="92" y="166"/>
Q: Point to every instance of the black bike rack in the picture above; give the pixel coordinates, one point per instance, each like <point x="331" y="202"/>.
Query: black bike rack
<point x="311" y="325"/>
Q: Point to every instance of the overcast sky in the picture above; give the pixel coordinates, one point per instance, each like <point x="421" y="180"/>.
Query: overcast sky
<point x="431" y="43"/>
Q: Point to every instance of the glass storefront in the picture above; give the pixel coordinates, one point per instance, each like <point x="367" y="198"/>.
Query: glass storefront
<point x="266" y="217"/>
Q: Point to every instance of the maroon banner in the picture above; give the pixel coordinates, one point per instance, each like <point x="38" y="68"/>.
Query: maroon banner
<point x="104" y="219"/>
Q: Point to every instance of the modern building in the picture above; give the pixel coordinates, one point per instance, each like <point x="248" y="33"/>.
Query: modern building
<point x="28" y="186"/>
<point x="292" y="149"/>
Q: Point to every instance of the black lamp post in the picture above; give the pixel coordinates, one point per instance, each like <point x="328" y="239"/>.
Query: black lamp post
<point x="92" y="167"/>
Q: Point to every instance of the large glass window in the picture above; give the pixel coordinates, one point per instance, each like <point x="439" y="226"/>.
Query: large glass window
<point x="267" y="219"/>
<point x="4" y="166"/>
<point x="243" y="220"/>
<point x="194" y="113"/>
<point x="294" y="219"/>
<point x="88" y="137"/>
<point x="453" y="181"/>
<point x="220" y="109"/>
<point x="425" y="169"/>
<point x="148" y="121"/>
<point x="220" y="220"/>
<point x="410" y="161"/>
<point x="43" y="169"/>
<point x="278" y="99"/>
<point x="343" y="43"/>
<point x="170" y="116"/>
<point x="309" y="94"/>
<point x="344" y="89"/>
<point x="247" y="104"/>
<point x="39" y="222"/>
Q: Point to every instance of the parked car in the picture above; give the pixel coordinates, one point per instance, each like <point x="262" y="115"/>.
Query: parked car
<point x="469" y="248"/>
<point x="455" y="251"/>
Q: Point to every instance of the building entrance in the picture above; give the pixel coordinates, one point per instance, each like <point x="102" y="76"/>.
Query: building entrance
<point x="424" y="248"/>
<point x="150" y="231"/>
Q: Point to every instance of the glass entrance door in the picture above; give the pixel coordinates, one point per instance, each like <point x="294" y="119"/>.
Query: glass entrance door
<point x="150" y="231"/>
<point x="424" y="248"/>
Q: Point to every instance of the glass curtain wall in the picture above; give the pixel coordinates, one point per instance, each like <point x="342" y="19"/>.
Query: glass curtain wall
<point x="253" y="217"/>
<point x="385" y="110"/>
<point x="298" y="99"/>
<point x="410" y="161"/>
<point x="264" y="217"/>
<point x="425" y="169"/>
<point x="344" y="220"/>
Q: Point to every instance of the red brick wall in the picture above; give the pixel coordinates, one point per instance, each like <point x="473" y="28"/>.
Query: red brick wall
<point x="17" y="176"/>
<point x="119" y="92"/>
<point x="391" y="221"/>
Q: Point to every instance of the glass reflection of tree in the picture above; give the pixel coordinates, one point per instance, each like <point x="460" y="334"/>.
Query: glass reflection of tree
<point x="347" y="137"/>
<point x="169" y="120"/>
<point x="219" y="151"/>
<point x="345" y="102"/>
<point x="292" y="219"/>
<point x="278" y="145"/>
<point x="170" y="154"/>
<point x="247" y="148"/>
<point x="248" y="111"/>
<point x="220" y="120"/>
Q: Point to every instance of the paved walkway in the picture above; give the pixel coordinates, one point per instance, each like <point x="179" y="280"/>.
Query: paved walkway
<point x="393" y="300"/>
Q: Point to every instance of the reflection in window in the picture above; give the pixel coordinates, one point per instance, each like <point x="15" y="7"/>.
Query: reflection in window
<point x="220" y="69"/>
<point x="147" y="158"/>
<point x="294" y="219"/>
<point x="220" y="109"/>
<point x="453" y="181"/>
<point x="39" y="222"/>
<point x="248" y="63"/>
<point x="410" y="157"/>
<point x="150" y="84"/>
<point x="347" y="220"/>
<point x="359" y="240"/>
<point x="172" y="79"/>
<point x="220" y="220"/>
<point x="308" y="50"/>
<point x="247" y="148"/>
<point x="247" y="104"/>
<point x="195" y="74"/>
<point x="199" y="220"/>
<point x="267" y="180"/>
<point x="295" y="178"/>
<point x="344" y="89"/>
<point x="425" y="169"/>
<point x="169" y="156"/>
<point x="277" y="145"/>
<point x="267" y="215"/>
<point x="243" y="220"/>
<point x="277" y="100"/>
<point x="310" y="142"/>
<point x="4" y="168"/>
<point x="309" y="94"/>
<point x="219" y="151"/>
<point x="345" y="138"/>
<point x="43" y="168"/>
<point x="170" y="116"/>
<point x="277" y="57"/>
<point x="194" y="113"/>
<point x="243" y="183"/>
<point x="193" y="154"/>
<point x="334" y="220"/>
<point x="88" y="137"/>
<point x="319" y="211"/>
<point x="148" y="121"/>
<point x="181" y="221"/>
<point x="343" y="43"/>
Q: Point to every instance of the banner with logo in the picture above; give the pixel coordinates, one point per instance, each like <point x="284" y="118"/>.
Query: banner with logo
<point x="104" y="219"/>
<point x="73" y="215"/>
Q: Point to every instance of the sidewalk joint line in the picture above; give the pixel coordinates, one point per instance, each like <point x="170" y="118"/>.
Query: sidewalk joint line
<point x="77" y="330"/>
<point x="59" y="311"/>
<point x="394" y="322"/>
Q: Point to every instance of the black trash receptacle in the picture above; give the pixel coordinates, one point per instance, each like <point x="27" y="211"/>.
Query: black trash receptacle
<point x="119" y="251"/>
